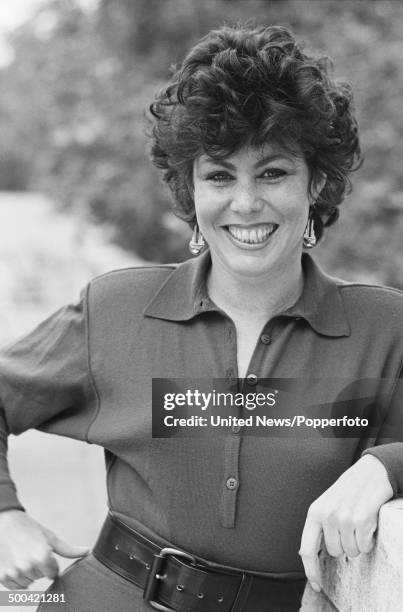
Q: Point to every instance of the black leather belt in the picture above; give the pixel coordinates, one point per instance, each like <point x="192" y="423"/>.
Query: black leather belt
<point x="172" y="579"/>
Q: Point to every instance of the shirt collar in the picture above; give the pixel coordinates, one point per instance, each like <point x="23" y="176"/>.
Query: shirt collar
<point x="183" y="295"/>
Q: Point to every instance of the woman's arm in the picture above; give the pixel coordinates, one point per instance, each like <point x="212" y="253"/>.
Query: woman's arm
<point x="389" y="444"/>
<point x="347" y="513"/>
<point x="26" y="550"/>
<point x="44" y="384"/>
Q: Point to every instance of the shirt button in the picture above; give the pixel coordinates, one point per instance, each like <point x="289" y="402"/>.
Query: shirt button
<point x="252" y="379"/>
<point x="236" y="429"/>
<point x="232" y="484"/>
<point x="265" y="339"/>
<point x="230" y="373"/>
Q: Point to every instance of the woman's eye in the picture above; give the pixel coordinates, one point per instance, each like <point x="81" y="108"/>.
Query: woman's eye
<point x="273" y="173"/>
<point x="219" y="177"/>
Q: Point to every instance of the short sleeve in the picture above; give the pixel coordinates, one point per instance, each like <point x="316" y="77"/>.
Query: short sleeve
<point x="45" y="384"/>
<point x="389" y="443"/>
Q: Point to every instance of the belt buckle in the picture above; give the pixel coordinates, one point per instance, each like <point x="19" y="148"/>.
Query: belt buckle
<point x="156" y="574"/>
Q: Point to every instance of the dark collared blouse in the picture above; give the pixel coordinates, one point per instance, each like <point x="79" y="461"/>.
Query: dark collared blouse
<point x="238" y="499"/>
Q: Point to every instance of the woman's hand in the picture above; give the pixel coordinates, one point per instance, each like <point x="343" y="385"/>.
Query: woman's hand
<point x="26" y="550"/>
<point x="346" y="514"/>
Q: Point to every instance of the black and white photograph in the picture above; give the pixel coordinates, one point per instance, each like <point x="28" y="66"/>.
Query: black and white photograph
<point x="201" y="322"/>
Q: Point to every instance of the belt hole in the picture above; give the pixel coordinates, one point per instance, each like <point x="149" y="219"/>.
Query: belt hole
<point x="200" y="595"/>
<point x="131" y="557"/>
<point x="220" y="598"/>
<point x="179" y="587"/>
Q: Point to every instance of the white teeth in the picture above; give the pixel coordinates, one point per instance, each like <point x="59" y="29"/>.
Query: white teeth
<point x="252" y="236"/>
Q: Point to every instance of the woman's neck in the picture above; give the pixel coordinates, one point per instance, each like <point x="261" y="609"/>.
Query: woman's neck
<point x="243" y="296"/>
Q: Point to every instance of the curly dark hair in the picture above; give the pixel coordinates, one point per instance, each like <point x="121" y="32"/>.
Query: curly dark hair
<point x="248" y="85"/>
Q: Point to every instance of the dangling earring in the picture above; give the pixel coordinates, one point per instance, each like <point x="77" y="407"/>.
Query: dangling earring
<point x="196" y="244"/>
<point x="309" y="234"/>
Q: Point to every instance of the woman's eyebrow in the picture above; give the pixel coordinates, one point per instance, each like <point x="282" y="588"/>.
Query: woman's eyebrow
<point x="271" y="158"/>
<point x="264" y="160"/>
<point x="217" y="162"/>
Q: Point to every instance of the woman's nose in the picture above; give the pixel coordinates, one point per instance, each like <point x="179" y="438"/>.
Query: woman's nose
<point x="245" y="201"/>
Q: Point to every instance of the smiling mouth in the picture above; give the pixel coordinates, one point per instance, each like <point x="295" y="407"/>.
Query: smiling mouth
<point x="258" y="234"/>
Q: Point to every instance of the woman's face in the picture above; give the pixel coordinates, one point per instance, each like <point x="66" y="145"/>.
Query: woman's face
<point x="252" y="208"/>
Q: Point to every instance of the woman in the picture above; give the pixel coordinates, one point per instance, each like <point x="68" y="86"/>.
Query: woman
<point x="256" y="143"/>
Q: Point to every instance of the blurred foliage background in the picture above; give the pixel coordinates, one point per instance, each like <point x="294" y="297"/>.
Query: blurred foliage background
<point x="73" y="101"/>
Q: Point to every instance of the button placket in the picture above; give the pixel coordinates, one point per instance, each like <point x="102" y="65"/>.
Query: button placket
<point x="229" y="336"/>
<point x="255" y="365"/>
<point x="231" y="482"/>
<point x="259" y="356"/>
<point x="232" y="445"/>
